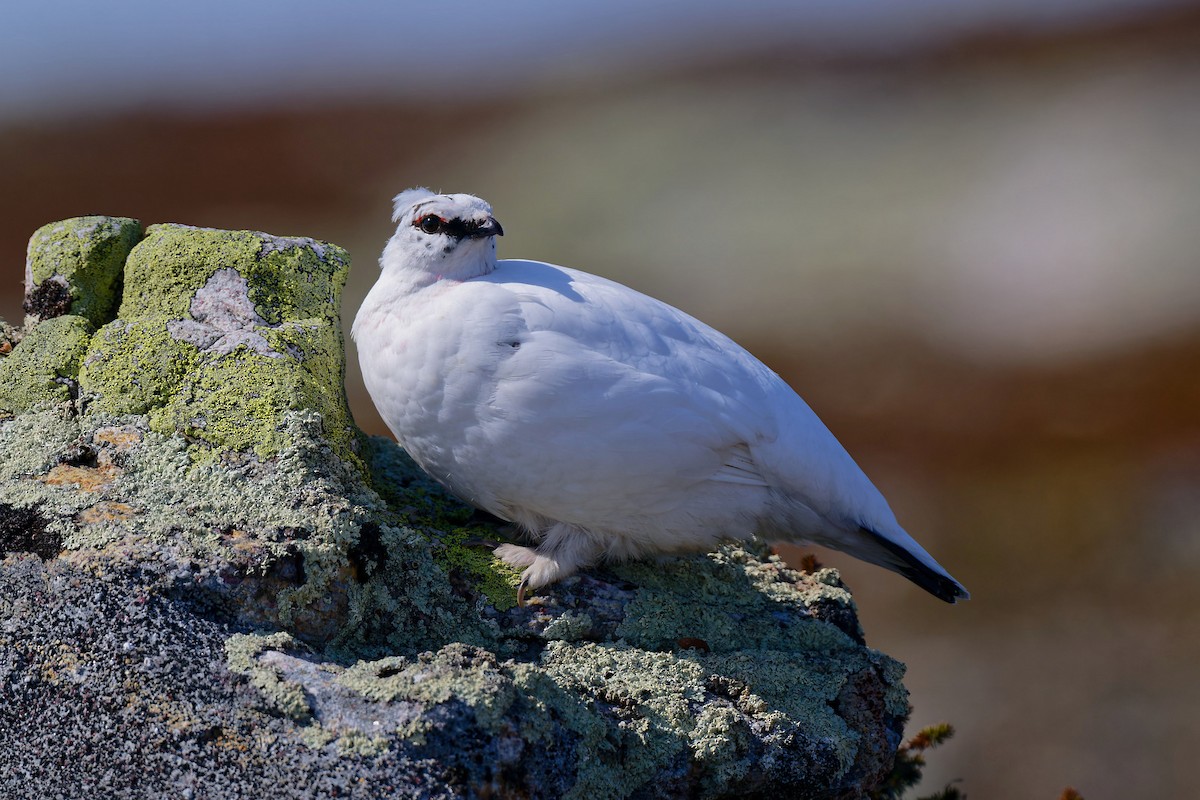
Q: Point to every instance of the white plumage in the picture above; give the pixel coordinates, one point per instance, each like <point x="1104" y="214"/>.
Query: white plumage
<point x="607" y="424"/>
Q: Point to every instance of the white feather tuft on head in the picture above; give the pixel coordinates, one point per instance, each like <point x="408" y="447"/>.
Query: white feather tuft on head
<point x="407" y="199"/>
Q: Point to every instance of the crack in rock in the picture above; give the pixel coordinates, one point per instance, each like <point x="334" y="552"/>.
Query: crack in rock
<point x="223" y="318"/>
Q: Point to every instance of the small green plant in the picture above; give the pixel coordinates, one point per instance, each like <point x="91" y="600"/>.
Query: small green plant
<point x="910" y="764"/>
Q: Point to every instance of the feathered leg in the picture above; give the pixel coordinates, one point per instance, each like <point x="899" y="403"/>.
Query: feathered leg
<point x="562" y="551"/>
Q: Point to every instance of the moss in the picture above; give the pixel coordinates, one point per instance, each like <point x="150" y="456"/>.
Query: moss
<point x="43" y="368"/>
<point x="490" y="576"/>
<point x="84" y="256"/>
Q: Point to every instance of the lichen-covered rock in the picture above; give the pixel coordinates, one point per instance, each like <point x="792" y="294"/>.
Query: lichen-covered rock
<point x="222" y="332"/>
<point x="74" y="266"/>
<point x="215" y="586"/>
<point x="44" y="367"/>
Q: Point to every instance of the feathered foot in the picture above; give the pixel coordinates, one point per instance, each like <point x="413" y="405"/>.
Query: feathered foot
<point x="561" y="553"/>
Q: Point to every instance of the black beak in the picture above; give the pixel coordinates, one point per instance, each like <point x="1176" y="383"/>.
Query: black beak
<point x="489" y="227"/>
<point x="468" y="228"/>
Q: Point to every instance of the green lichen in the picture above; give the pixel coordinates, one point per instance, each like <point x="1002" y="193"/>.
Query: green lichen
<point x="304" y="504"/>
<point x="656" y="696"/>
<point x="729" y="600"/>
<point x="289" y="279"/>
<point x="315" y="737"/>
<point x="660" y="692"/>
<point x="86" y="256"/>
<point x="9" y="337"/>
<point x="656" y="689"/>
<point x="570" y="626"/>
<point x="31" y="443"/>
<point x="891" y="672"/>
<point x="721" y="742"/>
<point x="407" y="604"/>
<point x="459" y="546"/>
<point x="357" y="743"/>
<point x="136" y="368"/>
<point x="43" y="368"/>
<point x="458" y="673"/>
<point x="233" y="402"/>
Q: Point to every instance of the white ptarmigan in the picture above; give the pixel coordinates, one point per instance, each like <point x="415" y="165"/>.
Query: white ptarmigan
<point x="606" y="424"/>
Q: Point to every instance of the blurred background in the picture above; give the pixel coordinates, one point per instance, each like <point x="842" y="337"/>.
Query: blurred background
<point x="967" y="232"/>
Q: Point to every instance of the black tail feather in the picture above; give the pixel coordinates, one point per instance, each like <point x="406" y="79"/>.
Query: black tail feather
<point x="905" y="563"/>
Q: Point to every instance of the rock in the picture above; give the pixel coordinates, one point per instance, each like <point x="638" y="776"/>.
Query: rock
<point x="215" y="586"/>
<point x="44" y="367"/>
<point x="220" y="334"/>
<point x="74" y="266"/>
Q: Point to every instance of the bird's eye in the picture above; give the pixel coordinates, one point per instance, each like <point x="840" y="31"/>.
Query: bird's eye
<point x="430" y="223"/>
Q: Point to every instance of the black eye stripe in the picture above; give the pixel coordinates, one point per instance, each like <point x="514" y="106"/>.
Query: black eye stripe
<point x="458" y="228"/>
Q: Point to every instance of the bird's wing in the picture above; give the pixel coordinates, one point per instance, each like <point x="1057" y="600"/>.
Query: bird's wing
<point x="600" y="385"/>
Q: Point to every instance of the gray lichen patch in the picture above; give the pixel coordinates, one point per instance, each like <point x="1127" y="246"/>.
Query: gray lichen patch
<point x="369" y="648"/>
<point x="282" y="244"/>
<point x="74" y="266"/>
<point x="222" y="318"/>
<point x="275" y="542"/>
<point x="33" y="442"/>
<point x="285" y="696"/>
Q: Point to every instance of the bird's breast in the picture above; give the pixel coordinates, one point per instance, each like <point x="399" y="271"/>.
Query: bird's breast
<point x="430" y="363"/>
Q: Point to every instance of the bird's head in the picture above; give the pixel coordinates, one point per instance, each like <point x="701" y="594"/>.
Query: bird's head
<point x="444" y="235"/>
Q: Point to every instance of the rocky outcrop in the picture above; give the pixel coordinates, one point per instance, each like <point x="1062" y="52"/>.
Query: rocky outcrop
<point x="215" y="586"/>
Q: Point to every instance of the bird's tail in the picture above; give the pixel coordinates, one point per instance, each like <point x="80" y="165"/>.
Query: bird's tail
<point x="898" y="552"/>
<point x="879" y="549"/>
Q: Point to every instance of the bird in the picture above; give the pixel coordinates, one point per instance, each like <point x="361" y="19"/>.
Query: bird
<point x="604" y="424"/>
